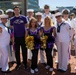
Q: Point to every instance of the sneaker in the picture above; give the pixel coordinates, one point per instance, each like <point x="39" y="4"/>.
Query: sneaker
<point x="36" y="70"/>
<point x="51" y="69"/>
<point x="61" y="70"/>
<point x="8" y="71"/>
<point x="47" y="67"/>
<point x="32" y="71"/>
<point x="17" y="67"/>
<point x="56" y="61"/>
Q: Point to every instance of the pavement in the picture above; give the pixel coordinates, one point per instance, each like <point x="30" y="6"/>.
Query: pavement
<point x="42" y="71"/>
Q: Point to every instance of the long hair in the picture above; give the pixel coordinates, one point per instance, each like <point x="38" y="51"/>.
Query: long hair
<point x="36" y="24"/>
<point x="51" y="23"/>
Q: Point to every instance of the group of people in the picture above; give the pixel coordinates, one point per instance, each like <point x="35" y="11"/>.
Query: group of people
<point x="46" y="29"/>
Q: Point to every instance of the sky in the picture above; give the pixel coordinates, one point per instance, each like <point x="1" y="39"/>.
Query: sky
<point x="54" y="3"/>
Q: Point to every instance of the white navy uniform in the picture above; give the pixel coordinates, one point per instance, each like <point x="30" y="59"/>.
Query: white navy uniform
<point x="28" y="19"/>
<point x="11" y="53"/>
<point x="4" y="43"/>
<point x="67" y="21"/>
<point x="52" y="17"/>
<point x="62" y="41"/>
<point x="29" y="51"/>
<point x="73" y="25"/>
<point x="42" y="52"/>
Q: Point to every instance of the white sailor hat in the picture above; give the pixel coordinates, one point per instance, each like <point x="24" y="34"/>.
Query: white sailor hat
<point x="38" y="13"/>
<point x="65" y="11"/>
<point x="72" y="14"/>
<point x="58" y="14"/>
<point x="9" y="10"/>
<point x="3" y="16"/>
<point x="30" y="10"/>
<point x="2" y="11"/>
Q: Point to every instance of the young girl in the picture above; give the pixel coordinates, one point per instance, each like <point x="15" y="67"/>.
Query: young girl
<point x="34" y="31"/>
<point x="49" y="31"/>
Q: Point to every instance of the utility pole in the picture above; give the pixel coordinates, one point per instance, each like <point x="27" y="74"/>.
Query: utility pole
<point x="25" y="7"/>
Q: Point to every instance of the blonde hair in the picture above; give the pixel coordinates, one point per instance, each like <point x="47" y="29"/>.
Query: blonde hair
<point x="51" y="21"/>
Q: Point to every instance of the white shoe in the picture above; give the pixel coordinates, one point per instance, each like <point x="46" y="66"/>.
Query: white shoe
<point x="47" y="67"/>
<point x="32" y="71"/>
<point x="36" y="70"/>
<point x="75" y="68"/>
<point x="50" y="69"/>
<point x="56" y="61"/>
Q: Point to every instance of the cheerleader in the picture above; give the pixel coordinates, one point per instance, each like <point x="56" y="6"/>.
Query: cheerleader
<point x="49" y="31"/>
<point x="33" y="31"/>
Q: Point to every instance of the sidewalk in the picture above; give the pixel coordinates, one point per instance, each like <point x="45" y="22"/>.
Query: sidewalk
<point x="43" y="71"/>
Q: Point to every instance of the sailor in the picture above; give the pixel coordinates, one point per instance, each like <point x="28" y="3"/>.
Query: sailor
<point x="9" y="12"/>
<point x="63" y="37"/>
<point x="30" y="14"/>
<point x="72" y="16"/>
<point x="40" y="24"/>
<point x="39" y="19"/>
<point x="65" y="13"/>
<point x="73" y="23"/>
<point x="47" y="13"/>
<point x="4" y="43"/>
<point x="11" y="53"/>
<point x="1" y="12"/>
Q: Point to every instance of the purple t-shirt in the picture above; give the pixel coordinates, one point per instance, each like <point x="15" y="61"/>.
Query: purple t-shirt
<point x="19" y="25"/>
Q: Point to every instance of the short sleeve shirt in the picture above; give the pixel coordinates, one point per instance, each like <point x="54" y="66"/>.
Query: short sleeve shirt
<point x="19" y="25"/>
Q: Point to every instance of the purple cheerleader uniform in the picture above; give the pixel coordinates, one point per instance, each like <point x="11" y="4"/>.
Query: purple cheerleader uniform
<point x="51" y="39"/>
<point x="36" y="37"/>
<point x="36" y="47"/>
<point x="49" y="46"/>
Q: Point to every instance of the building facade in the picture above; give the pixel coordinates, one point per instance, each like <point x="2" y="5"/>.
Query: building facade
<point x="33" y="4"/>
<point x="23" y="4"/>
